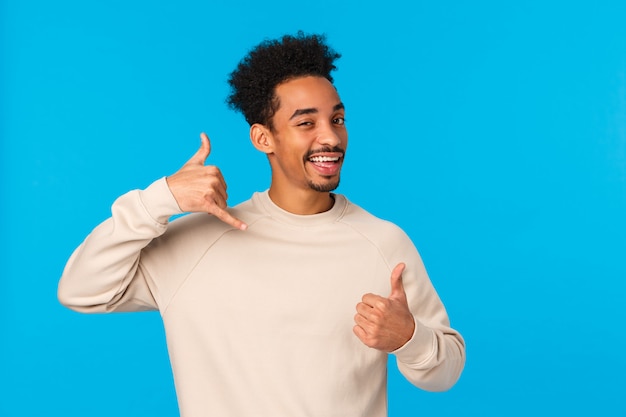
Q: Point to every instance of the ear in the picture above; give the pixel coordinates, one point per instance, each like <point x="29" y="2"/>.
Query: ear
<point x="262" y="138"/>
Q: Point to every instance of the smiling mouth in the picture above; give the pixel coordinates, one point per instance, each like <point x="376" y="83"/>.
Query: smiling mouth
<point x="316" y="159"/>
<point x="326" y="164"/>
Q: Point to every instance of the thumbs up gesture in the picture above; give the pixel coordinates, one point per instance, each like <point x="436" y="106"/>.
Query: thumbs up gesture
<point x="385" y="323"/>
<point x="201" y="188"/>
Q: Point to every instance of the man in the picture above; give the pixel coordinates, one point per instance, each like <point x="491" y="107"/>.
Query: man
<point x="289" y="303"/>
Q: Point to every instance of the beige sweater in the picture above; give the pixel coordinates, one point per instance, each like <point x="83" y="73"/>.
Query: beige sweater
<point x="259" y="322"/>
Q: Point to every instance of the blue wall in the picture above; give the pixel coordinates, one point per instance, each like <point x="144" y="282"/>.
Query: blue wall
<point x="494" y="133"/>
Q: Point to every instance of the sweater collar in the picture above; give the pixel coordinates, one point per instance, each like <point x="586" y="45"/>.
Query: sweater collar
<point x="263" y="200"/>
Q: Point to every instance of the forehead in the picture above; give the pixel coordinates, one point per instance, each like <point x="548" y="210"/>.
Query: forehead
<point x="307" y="92"/>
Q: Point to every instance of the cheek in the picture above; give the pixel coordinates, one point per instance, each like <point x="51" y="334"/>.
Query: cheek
<point x="291" y="158"/>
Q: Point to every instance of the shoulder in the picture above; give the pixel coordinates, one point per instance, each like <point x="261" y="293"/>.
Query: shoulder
<point x="380" y="232"/>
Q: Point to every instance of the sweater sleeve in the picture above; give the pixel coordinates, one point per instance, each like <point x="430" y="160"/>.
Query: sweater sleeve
<point x="105" y="273"/>
<point x="434" y="357"/>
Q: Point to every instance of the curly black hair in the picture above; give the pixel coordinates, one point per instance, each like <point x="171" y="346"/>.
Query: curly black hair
<point x="272" y="62"/>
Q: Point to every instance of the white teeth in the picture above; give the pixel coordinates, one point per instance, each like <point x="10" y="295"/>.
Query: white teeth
<point x="324" y="159"/>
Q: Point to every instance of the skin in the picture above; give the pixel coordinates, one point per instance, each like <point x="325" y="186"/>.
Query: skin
<point x="309" y="123"/>
<point x="200" y="188"/>
<point x="385" y="323"/>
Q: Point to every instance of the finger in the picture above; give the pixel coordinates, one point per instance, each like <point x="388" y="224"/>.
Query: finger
<point x="220" y="177"/>
<point x="364" y="336"/>
<point x="217" y="185"/>
<point x="397" y="287"/>
<point x="367" y="317"/>
<point x="363" y="324"/>
<point x="227" y="218"/>
<point x="364" y="309"/>
<point x="360" y="333"/>
<point x="216" y="198"/>
<point x="372" y="300"/>
<point x="202" y="154"/>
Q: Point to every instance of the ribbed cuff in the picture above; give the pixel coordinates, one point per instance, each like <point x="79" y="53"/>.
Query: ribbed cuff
<point x="159" y="201"/>
<point x="420" y="347"/>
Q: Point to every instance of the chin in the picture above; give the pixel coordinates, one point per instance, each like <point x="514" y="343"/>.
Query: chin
<point x="325" y="187"/>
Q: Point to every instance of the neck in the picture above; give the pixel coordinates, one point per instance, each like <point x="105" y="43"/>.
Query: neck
<point x="303" y="202"/>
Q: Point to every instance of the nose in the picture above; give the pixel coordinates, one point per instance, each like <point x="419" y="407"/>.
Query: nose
<point x="330" y="136"/>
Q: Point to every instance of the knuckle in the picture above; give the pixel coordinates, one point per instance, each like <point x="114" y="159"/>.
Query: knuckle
<point x="209" y="202"/>
<point x="377" y="315"/>
<point x="383" y="305"/>
<point x="213" y="170"/>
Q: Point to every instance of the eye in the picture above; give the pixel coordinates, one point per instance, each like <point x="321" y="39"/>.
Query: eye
<point x="339" y="121"/>
<point x="307" y="123"/>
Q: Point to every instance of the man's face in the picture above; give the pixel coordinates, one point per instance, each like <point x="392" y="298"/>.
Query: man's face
<point x="310" y="138"/>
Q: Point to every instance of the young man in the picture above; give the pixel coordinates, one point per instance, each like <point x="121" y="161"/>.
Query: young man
<point x="289" y="303"/>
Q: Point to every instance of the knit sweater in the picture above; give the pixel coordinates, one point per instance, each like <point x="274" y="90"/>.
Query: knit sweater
<point x="259" y="322"/>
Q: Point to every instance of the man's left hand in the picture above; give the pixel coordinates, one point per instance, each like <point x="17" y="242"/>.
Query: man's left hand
<point x="385" y="323"/>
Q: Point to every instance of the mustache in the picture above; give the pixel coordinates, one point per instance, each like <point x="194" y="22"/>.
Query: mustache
<point x="336" y="149"/>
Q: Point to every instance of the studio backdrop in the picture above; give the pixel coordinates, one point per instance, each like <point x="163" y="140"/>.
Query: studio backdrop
<point x="494" y="133"/>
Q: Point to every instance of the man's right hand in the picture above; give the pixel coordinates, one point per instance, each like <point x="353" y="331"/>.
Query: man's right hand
<point x="201" y="188"/>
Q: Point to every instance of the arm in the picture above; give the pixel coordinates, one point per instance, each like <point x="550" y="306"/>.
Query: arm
<point x="106" y="272"/>
<point x="412" y="324"/>
<point x="434" y="357"/>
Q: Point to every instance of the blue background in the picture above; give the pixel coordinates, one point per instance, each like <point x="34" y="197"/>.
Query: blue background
<point x="494" y="133"/>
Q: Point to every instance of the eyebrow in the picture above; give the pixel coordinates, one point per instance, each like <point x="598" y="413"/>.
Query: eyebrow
<point x="312" y="110"/>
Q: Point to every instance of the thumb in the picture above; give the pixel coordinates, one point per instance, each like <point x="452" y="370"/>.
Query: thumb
<point x="203" y="153"/>
<point x="397" y="288"/>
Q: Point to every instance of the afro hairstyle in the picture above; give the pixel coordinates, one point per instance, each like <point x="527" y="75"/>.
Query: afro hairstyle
<point x="253" y="83"/>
